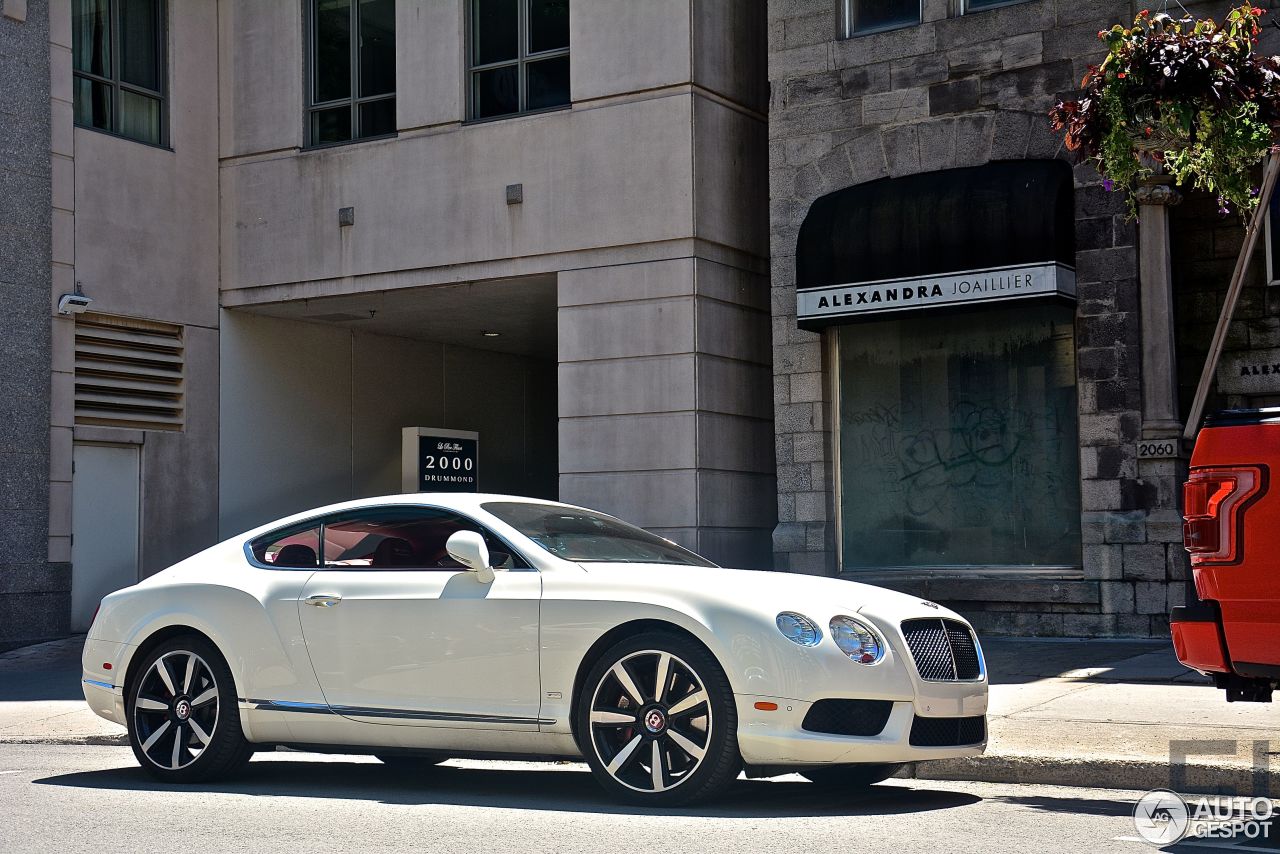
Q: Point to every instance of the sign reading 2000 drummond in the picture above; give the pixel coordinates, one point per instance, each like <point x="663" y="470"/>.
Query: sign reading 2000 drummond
<point x="434" y="460"/>
<point x="975" y="286"/>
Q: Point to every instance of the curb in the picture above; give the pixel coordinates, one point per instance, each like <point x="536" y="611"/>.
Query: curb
<point x="1102" y="773"/>
<point x="100" y="740"/>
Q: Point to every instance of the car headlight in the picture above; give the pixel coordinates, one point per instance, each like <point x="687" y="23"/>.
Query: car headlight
<point x="856" y="640"/>
<point x="799" y="629"/>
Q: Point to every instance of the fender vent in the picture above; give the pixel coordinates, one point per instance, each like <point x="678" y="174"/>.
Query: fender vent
<point x="129" y="373"/>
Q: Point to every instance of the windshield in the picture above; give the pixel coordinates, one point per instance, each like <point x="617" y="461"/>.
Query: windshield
<point x="589" y="537"/>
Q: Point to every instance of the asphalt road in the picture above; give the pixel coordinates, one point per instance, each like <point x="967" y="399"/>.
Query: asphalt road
<point x="94" y="798"/>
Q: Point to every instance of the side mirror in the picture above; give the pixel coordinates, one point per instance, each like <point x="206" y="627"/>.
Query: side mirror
<point x="468" y="549"/>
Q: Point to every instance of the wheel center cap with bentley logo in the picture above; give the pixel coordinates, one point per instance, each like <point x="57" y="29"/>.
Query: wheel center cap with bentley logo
<point x="655" y="721"/>
<point x="182" y="709"/>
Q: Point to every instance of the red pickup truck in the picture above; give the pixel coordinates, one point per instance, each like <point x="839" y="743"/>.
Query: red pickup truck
<point x="1232" y="530"/>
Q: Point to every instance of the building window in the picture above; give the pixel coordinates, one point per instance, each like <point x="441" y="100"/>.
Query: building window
<point x="519" y="56"/>
<point x="351" y="89"/>
<point x="118" y="51"/>
<point x="873" y="16"/>
<point x="958" y="443"/>
<point x="981" y="5"/>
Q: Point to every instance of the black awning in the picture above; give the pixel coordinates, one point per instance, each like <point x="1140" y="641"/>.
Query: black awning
<point x="1000" y="215"/>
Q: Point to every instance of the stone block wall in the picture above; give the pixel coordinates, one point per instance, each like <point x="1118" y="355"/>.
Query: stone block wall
<point x="955" y="91"/>
<point x="34" y="593"/>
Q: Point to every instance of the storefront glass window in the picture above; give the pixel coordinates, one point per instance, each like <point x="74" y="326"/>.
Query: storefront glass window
<point x="958" y="440"/>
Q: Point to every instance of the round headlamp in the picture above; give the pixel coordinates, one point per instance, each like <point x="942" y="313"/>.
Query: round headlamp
<point x="799" y="629"/>
<point x="856" y="640"/>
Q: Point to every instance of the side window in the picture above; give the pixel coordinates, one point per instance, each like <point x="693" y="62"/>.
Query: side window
<point x="404" y="538"/>
<point x="295" y="547"/>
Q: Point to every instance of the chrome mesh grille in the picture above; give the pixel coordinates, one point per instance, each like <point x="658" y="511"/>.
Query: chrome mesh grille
<point x="944" y="650"/>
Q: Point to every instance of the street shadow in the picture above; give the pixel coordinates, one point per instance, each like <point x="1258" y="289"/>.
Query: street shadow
<point x="569" y="787"/>
<point x="1017" y="661"/>
<point x="1068" y="806"/>
<point x="49" y="671"/>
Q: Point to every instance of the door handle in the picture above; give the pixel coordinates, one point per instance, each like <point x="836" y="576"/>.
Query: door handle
<point x="323" y="600"/>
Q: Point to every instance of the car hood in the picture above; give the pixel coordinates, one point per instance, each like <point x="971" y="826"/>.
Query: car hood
<point x="817" y="596"/>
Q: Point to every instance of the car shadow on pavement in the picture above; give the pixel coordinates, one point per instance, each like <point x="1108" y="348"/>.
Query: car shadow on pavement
<point x="568" y="787"/>
<point x="1074" y="806"/>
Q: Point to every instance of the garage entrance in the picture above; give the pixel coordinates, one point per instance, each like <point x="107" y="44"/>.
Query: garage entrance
<point x="314" y="393"/>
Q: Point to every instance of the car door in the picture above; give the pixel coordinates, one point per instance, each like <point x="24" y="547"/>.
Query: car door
<point x="399" y="633"/>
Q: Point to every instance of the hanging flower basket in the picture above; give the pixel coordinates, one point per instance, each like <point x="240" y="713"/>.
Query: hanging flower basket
<point x="1181" y="96"/>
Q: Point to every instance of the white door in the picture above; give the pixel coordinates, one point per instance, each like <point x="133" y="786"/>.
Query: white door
<point x="398" y="636"/>
<point x="105" y="507"/>
<point x="426" y="648"/>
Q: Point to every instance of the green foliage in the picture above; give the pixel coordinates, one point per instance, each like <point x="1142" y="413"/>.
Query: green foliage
<point x="1185" y="96"/>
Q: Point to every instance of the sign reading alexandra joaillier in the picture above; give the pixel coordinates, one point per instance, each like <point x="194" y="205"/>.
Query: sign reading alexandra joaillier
<point x="975" y="286"/>
<point x="434" y="460"/>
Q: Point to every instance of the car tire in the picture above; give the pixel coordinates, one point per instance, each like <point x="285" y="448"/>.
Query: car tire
<point x="659" y="740"/>
<point x="410" y="762"/>
<point x="183" y="715"/>
<point x="850" y="776"/>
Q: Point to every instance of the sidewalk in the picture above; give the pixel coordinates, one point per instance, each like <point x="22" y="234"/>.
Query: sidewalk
<point x="1108" y="713"/>
<point x="1063" y="712"/>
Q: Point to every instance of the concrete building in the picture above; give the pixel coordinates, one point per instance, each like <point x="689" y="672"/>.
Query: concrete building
<point x="981" y="364"/>
<point x="304" y="226"/>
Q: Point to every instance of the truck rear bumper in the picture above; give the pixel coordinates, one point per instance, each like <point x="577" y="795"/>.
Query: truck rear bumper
<point x="1197" y="637"/>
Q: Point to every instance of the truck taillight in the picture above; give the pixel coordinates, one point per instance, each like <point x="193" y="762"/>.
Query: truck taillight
<point x="1213" y="509"/>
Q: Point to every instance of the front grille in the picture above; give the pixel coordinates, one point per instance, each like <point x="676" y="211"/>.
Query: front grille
<point x="944" y="650"/>
<point x="848" y="717"/>
<point x="948" y="732"/>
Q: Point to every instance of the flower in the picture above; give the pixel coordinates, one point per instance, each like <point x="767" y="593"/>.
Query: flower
<point x="1108" y="184"/>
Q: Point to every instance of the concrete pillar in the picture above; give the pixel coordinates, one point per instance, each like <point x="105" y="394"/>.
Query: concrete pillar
<point x="1160" y="476"/>
<point x="1159" y="364"/>
<point x="665" y="406"/>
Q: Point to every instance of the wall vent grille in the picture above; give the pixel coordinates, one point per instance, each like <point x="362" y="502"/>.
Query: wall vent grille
<point x="129" y="373"/>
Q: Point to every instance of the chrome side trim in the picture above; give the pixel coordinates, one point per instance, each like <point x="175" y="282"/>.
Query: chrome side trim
<point x="412" y="714"/>
<point x="289" y="706"/>
<point x="401" y="714"/>
<point x="106" y="685"/>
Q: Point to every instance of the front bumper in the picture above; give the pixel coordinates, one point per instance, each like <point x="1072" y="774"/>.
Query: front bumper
<point x="778" y="738"/>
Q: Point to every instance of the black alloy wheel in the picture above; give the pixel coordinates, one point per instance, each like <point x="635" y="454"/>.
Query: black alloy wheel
<point x="657" y="722"/>
<point x="184" y="722"/>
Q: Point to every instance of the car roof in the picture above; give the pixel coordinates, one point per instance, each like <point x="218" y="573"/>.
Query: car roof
<point x="466" y="501"/>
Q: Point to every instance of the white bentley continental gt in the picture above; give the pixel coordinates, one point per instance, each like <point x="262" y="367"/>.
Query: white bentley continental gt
<point x="422" y="627"/>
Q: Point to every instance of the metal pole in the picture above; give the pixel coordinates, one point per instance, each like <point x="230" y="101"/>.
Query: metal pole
<point x="1269" y="173"/>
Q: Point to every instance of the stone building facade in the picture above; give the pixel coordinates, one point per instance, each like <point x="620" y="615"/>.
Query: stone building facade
<point x="34" y="580"/>
<point x="965" y="88"/>
<point x="560" y="246"/>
